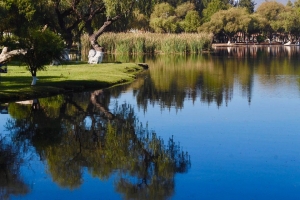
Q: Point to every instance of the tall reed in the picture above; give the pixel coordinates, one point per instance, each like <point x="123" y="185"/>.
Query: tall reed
<point x="151" y="43"/>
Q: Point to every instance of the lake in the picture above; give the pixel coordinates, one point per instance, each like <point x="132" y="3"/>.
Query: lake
<point x="223" y="125"/>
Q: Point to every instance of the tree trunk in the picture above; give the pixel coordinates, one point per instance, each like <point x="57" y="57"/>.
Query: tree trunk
<point x="6" y="55"/>
<point x="34" y="78"/>
<point x="93" y="37"/>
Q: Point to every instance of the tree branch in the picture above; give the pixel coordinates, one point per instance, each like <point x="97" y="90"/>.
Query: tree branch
<point x="93" y="37"/>
<point x="5" y="56"/>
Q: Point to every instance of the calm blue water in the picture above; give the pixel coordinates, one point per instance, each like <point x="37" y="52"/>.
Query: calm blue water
<point x="236" y="114"/>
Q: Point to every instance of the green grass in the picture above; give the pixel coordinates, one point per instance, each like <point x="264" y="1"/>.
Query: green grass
<point x="73" y="76"/>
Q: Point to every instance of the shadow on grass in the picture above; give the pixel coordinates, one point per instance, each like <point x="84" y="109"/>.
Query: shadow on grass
<point x="19" y="88"/>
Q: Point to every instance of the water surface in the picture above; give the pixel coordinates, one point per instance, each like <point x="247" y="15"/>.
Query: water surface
<point x="215" y="126"/>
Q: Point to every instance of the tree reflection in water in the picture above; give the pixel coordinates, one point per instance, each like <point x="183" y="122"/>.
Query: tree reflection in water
<point x="11" y="182"/>
<point x="78" y="131"/>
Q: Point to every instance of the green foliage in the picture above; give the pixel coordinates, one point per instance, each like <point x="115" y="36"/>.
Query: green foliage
<point x="167" y="19"/>
<point x="248" y="4"/>
<point x="163" y="19"/>
<point x="11" y="182"/>
<point x="139" y="21"/>
<point x="182" y="10"/>
<point x="103" y="147"/>
<point x="228" y="21"/>
<point x="270" y="10"/>
<point x="43" y="47"/>
<point x="288" y="21"/>
<point x="114" y="6"/>
<point x="191" y="21"/>
<point x="297" y="4"/>
<point x="289" y="3"/>
<point x="260" y="38"/>
<point x="19" y="111"/>
<point x="163" y="10"/>
<point x="52" y="105"/>
<point x="213" y="7"/>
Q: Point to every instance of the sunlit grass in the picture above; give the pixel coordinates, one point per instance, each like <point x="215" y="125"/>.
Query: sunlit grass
<point x="16" y="84"/>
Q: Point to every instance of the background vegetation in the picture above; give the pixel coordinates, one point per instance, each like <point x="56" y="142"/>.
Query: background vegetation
<point x="226" y="19"/>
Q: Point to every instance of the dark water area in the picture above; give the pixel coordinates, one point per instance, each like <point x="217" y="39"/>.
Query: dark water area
<point x="223" y="125"/>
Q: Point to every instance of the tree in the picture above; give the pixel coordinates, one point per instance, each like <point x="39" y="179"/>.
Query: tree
<point x="182" y="9"/>
<point x="139" y="21"/>
<point x="228" y="22"/>
<point x="248" y="4"/>
<point x="213" y="7"/>
<point x="191" y="21"/>
<point x="288" y="22"/>
<point x="289" y="3"/>
<point x="38" y="46"/>
<point x="70" y="18"/>
<point x="163" y="18"/>
<point x="270" y="11"/>
<point x="42" y="47"/>
<point x="11" y="182"/>
<point x="114" y="10"/>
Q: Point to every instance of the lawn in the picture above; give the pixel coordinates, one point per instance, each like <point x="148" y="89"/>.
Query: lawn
<point x="16" y="83"/>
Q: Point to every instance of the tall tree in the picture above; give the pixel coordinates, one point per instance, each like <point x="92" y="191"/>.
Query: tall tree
<point x="248" y="4"/>
<point x="163" y="18"/>
<point x="38" y="45"/>
<point x="228" y="22"/>
<point x="191" y="21"/>
<point x="213" y="7"/>
<point x="270" y="12"/>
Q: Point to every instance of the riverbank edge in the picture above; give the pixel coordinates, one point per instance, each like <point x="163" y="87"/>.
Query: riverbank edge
<point x="52" y="89"/>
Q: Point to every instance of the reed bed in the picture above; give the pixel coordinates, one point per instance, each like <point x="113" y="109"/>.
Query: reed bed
<point x="151" y="43"/>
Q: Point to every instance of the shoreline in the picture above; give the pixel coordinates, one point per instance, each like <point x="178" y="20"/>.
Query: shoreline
<point x="216" y="45"/>
<point x="65" y="79"/>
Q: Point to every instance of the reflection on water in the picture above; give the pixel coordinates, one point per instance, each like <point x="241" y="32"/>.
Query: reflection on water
<point x="259" y="50"/>
<point x="213" y="77"/>
<point x="11" y="182"/>
<point x="98" y="134"/>
<point x="75" y="132"/>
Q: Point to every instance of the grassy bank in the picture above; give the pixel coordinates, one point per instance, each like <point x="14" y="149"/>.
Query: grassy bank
<point x="15" y="85"/>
